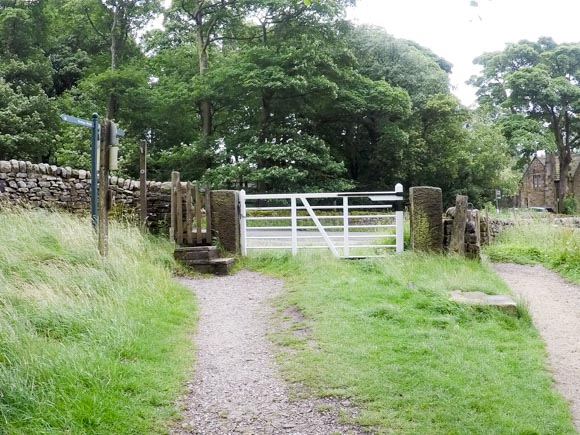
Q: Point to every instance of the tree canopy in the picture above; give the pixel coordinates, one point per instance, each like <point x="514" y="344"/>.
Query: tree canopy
<point x="269" y="95"/>
<point x="533" y="87"/>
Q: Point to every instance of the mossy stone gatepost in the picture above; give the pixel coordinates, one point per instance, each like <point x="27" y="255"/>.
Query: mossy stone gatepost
<point x="225" y="218"/>
<point x="426" y="206"/>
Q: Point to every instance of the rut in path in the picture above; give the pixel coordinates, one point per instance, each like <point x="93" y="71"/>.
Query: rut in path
<point x="236" y="386"/>
<point x="555" y="307"/>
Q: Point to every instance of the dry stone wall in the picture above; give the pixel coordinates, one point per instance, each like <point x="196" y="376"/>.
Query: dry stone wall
<point x="49" y="186"/>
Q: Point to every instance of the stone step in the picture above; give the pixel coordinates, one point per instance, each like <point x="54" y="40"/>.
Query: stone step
<point x="196" y="253"/>
<point x="222" y="266"/>
<point x="219" y="266"/>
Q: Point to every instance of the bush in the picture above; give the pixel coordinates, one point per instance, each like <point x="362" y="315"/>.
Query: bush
<point x="570" y="204"/>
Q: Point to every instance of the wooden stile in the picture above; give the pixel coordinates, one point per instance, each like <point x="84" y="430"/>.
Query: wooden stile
<point x="182" y="228"/>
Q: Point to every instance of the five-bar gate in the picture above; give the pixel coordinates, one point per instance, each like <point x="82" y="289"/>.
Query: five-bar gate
<point x="351" y="225"/>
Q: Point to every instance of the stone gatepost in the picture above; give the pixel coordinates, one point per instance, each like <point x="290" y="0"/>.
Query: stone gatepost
<point x="225" y="218"/>
<point x="426" y="223"/>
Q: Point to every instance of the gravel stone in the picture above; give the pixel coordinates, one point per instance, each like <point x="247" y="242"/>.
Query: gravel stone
<point x="555" y="307"/>
<point x="237" y="388"/>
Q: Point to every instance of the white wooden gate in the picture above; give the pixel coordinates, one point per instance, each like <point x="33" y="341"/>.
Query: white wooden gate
<point x="351" y="225"/>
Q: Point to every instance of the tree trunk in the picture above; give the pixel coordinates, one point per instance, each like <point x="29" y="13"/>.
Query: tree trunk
<point x="204" y="105"/>
<point x="112" y="103"/>
<point x="564" y="162"/>
<point x="562" y="185"/>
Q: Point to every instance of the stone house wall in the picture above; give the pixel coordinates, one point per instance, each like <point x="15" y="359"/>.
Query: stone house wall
<point x="544" y="194"/>
<point x="534" y="185"/>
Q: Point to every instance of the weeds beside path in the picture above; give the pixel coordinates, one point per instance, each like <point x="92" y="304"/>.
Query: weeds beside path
<point x="88" y="345"/>
<point x="555" y="307"/>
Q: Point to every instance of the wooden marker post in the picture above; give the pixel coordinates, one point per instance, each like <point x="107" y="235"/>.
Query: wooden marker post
<point x="208" y="214"/>
<point x="174" y="184"/>
<point x="179" y="213"/>
<point x="143" y="184"/>
<point x="103" y="222"/>
<point x="199" y="238"/>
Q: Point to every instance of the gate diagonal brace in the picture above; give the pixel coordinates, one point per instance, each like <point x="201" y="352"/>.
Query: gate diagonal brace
<point x="319" y="226"/>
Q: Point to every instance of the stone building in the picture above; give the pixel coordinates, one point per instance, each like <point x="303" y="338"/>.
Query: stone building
<point x="538" y="185"/>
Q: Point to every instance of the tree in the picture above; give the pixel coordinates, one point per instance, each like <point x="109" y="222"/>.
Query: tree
<point x="487" y="163"/>
<point x="426" y="145"/>
<point x="120" y="22"/>
<point x="27" y="114"/>
<point x="539" y="81"/>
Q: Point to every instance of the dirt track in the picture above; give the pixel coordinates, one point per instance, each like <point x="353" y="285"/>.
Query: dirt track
<point x="237" y="387"/>
<point x="555" y="307"/>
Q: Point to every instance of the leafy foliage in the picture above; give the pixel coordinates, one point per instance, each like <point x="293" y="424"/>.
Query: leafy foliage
<point x="271" y="95"/>
<point x="534" y="87"/>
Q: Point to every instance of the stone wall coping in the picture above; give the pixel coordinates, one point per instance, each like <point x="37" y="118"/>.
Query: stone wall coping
<point x="39" y="170"/>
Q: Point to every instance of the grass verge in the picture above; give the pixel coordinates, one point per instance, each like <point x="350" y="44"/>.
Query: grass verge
<point x="556" y="247"/>
<point x="411" y="359"/>
<point x="88" y="345"/>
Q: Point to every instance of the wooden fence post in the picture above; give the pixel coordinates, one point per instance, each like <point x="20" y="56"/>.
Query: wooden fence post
<point x="103" y="222"/>
<point x="207" y="205"/>
<point x="198" y="225"/>
<point x="477" y="221"/>
<point x="189" y="214"/>
<point x="174" y="183"/>
<point x="143" y="183"/>
<point x="179" y="212"/>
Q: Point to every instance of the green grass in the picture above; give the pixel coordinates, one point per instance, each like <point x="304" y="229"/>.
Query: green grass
<point x="412" y="360"/>
<point x="556" y="247"/>
<point x="88" y="346"/>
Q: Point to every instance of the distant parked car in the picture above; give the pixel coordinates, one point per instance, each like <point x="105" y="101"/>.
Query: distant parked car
<point x="541" y="209"/>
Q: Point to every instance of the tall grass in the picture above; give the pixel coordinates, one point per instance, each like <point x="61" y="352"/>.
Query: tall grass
<point x="557" y="247"/>
<point x="88" y="345"/>
<point x="384" y="333"/>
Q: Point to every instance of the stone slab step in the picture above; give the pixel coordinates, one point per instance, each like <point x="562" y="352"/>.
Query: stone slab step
<point x="191" y="258"/>
<point x="222" y="266"/>
<point x="196" y="253"/>
<point x="503" y="302"/>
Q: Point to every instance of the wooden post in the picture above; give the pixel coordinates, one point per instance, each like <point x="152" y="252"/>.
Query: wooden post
<point x="189" y="214"/>
<point x="174" y="182"/>
<point x="198" y="225"/>
<point x="208" y="214"/>
<point x="477" y="221"/>
<point x="457" y="244"/>
<point x="103" y="222"/>
<point x="488" y="239"/>
<point x="143" y="183"/>
<point x="179" y="213"/>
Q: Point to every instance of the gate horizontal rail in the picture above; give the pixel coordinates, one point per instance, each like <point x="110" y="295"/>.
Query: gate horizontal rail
<point x="303" y="218"/>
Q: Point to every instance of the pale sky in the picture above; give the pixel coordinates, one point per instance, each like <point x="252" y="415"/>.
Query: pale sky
<point x="459" y="33"/>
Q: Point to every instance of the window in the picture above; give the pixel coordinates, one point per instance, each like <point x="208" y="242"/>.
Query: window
<point x="537" y="181"/>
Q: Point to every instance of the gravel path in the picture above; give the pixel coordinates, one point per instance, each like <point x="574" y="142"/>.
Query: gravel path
<point x="555" y="307"/>
<point x="237" y="388"/>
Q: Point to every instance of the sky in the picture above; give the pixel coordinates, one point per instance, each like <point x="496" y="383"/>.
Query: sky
<point x="459" y="33"/>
